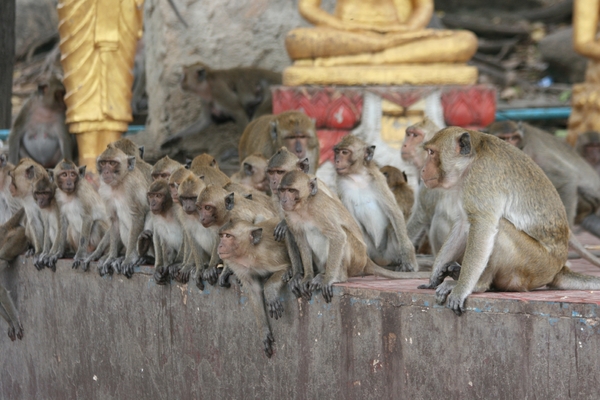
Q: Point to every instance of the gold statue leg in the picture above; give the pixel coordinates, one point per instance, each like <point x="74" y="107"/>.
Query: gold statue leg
<point x="91" y="144"/>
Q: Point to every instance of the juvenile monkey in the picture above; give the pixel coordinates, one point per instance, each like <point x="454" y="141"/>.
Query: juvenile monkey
<point x="8" y="204"/>
<point x="164" y="168"/>
<point x="203" y="166"/>
<point x="403" y="193"/>
<point x="123" y="189"/>
<point x="241" y="94"/>
<point x="132" y="149"/>
<point x="82" y="209"/>
<point x="252" y="173"/>
<point x="53" y="246"/>
<point x="167" y="232"/>
<point x="204" y="160"/>
<point x="259" y="262"/>
<point x="512" y="226"/>
<point x="327" y="233"/>
<point x="292" y="129"/>
<point x="363" y="190"/>
<point x="39" y="131"/>
<point x="588" y="147"/>
<point x="23" y="176"/>
<point x="412" y="151"/>
<point x="13" y="243"/>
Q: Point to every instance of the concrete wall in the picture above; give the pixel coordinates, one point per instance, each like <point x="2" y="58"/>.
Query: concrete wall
<point x="88" y="337"/>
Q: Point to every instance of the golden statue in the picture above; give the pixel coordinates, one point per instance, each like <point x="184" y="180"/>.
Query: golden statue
<point x="98" y="39"/>
<point x="585" y="100"/>
<point x="388" y="34"/>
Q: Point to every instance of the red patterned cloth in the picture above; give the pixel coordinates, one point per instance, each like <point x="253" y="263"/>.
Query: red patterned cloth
<point x="327" y="139"/>
<point x="469" y="106"/>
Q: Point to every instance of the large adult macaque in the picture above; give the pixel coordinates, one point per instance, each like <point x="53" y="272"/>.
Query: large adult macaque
<point x="53" y="246"/>
<point x="326" y="232"/>
<point x="240" y="94"/>
<point x="201" y="241"/>
<point x="259" y="262"/>
<point x="292" y="129"/>
<point x="14" y="243"/>
<point x="398" y="184"/>
<point x="8" y="204"/>
<point x="23" y="176"/>
<point x="131" y="149"/>
<point x="83" y="210"/>
<point x="588" y="147"/>
<point x="363" y="190"/>
<point x="253" y="173"/>
<point x="123" y="189"/>
<point x="39" y="131"/>
<point x="164" y="168"/>
<point x="167" y="232"/>
<point x="511" y="225"/>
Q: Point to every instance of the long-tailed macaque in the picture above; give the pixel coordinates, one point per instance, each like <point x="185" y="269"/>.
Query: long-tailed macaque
<point x="588" y="147"/>
<point x="8" y="204"/>
<point x="39" y="131"/>
<point x="131" y="149"/>
<point x="240" y="94"/>
<point x="326" y="232"/>
<point x="123" y="189"/>
<point x="253" y="173"/>
<point x="13" y="243"/>
<point x="292" y="129"/>
<point x="23" y="176"/>
<point x="412" y="151"/>
<point x="363" y="190"/>
<point x="167" y="232"/>
<point x="511" y="225"/>
<point x="164" y="168"/>
<point x="398" y="184"/>
<point x="83" y="210"/>
<point x="259" y="262"/>
<point x="53" y="247"/>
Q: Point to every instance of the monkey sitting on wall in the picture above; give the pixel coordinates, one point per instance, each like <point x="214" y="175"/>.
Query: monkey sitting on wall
<point x="259" y="262"/>
<point x="511" y="225"/>
<point x="253" y="173"/>
<point x="398" y="184"/>
<point x="53" y="246"/>
<point x="39" y="131"/>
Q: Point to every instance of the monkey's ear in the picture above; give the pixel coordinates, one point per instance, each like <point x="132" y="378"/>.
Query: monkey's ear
<point x="273" y="131"/>
<point x="404" y="175"/>
<point x="312" y="184"/>
<point x="213" y="162"/>
<point x="256" y="236"/>
<point x="82" y="171"/>
<point x="248" y="169"/>
<point x="29" y="172"/>
<point x="464" y="142"/>
<point x="188" y="163"/>
<point x="130" y="162"/>
<point x="303" y="165"/>
<point x="369" y="151"/>
<point x="201" y="177"/>
<point x="3" y="160"/>
<point x="50" y="172"/>
<point x="141" y="150"/>
<point x="201" y="74"/>
<point x="248" y="196"/>
<point x="229" y="202"/>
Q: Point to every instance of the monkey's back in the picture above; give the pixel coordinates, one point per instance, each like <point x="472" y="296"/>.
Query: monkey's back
<point x="257" y="137"/>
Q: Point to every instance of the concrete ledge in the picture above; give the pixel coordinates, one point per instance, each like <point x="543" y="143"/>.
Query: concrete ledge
<point x="89" y="337"/>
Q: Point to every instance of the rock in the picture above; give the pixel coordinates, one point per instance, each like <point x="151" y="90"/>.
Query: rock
<point x="565" y="65"/>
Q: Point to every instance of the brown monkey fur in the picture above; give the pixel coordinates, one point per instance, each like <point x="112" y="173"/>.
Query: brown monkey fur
<point x="403" y="193"/>
<point x="39" y="131"/>
<point x="292" y="129"/>
<point x="253" y="173"/>
<point x="123" y="189"/>
<point x="511" y="225"/>
<point x="204" y="167"/>
<point x="326" y="232"/>
<point x="256" y="258"/>
<point x="14" y="243"/>
<point x="164" y="168"/>
<point x="53" y="246"/>
<point x="178" y="176"/>
<point x="82" y="209"/>
<point x="132" y="149"/>
<point x="363" y="190"/>
<point x="412" y="151"/>
<point x="588" y="147"/>
<point x="8" y="204"/>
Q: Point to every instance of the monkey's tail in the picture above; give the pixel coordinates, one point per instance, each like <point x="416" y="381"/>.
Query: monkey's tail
<point x="374" y="269"/>
<point x="566" y="279"/>
<point x="591" y="223"/>
<point x="582" y="251"/>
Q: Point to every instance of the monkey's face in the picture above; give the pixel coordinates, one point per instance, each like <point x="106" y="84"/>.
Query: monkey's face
<point x="160" y="175"/>
<point x="67" y="180"/>
<point x="208" y="212"/>
<point x="156" y="200"/>
<point x="274" y="175"/>
<point x="591" y="152"/>
<point x="288" y="198"/>
<point x="414" y="137"/>
<point x="343" y="160"/>
<point x="188" y="203"/>
<point x="431" y="173"/>
<point x="228" y="245"/>
<point x="297" y="143"/>
<point x="194" y="80"/>
<point x="110" y="170"/>
<point x="513" y="138"/>
<point x="173" y="189"/>
<point x="43" y="198"/>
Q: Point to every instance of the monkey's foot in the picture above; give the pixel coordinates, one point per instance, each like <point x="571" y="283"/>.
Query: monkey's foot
<point x="15" y="331"/>
<point x="318" y="282"/>
<point x="211" y="275"/>
<point x="19" y="331"/>
<point x="50" y="261"/>
<point x="268" y="344"/>
<point x="446" y="293"/>
<point x="30" y="252"/>
<point x="161" y="275"/>
<point x="280" y="231"/>
<point x="275" y="308"/>
<point x="106" y="267"/>
<point x="295" y="284"/>
<point x="404" y="266"/>
<point x="199" y="283"/>
<point x="287" y="276"/>
<point x="179" y="272"/>
<point x="38" y="262"/>
<point x="224" y="278"/>
<point x="451" y="269"/>
<point x="80" y="262"/>
<point x="305" y="287"/>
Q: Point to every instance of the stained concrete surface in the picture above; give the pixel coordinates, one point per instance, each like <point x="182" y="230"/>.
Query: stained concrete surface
<point x="88" y="337"/>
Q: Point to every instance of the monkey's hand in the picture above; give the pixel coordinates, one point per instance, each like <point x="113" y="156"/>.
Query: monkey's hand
<point x="106" y="267"/>
<point x="161" y="275"/>
<point x="268" y="343"/>
<point x="318" y="282"/>
<point x="451" y="269"/>
<point x="174" y="270"/>
<point x="199" y="283"/>
<point x="38" y="261"/>
<point x="305" y="288"/>
<point x="183" y="274"/>
<point x="144" y="242"/>
<point x="295" y="284"/>
<point x="280" y="230"/>
<point x="51" y="261"/>
<point x="288" y="275"/>
<point x="224" y="278"/>
<point x="450" y="291"/>
<point x="211" y="275"/>
<point x="30" y="251"/>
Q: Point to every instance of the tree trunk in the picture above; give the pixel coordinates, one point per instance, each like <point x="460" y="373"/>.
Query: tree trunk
<point x="7" y="59"/>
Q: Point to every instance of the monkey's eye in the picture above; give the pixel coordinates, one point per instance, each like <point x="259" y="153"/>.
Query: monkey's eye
<point x="344" y="152"/>
<point x="430" y="152"/>
<point x="112" y="163"/>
